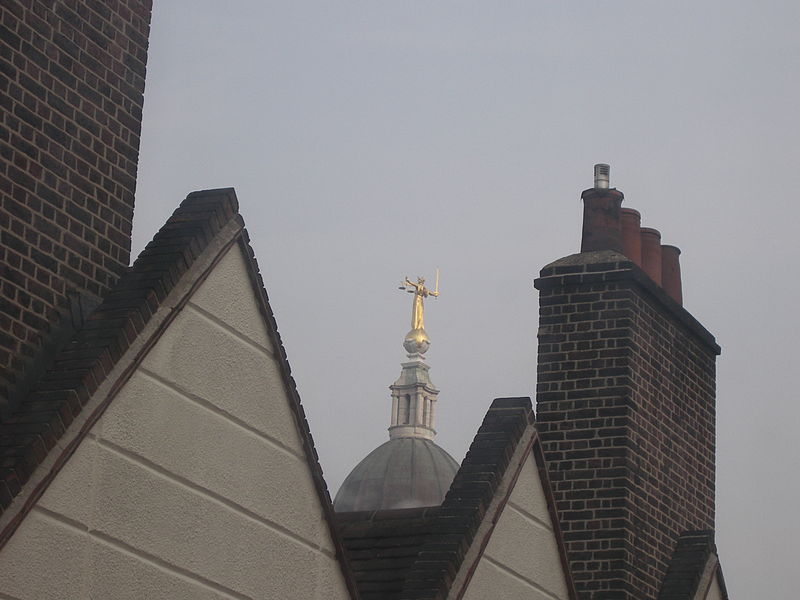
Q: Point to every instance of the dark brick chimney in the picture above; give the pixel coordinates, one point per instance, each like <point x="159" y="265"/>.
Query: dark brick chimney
<point x="71" y="89"/>
<point x="625" y="410"/>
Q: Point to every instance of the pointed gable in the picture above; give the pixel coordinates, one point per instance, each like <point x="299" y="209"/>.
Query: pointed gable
<point x="495" y="535"/>
<point x="517" y="550"/>
<point x="189" y="469"/>
<point x="521" y="558"/>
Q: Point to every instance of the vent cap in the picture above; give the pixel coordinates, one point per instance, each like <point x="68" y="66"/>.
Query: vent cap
<point x="601" y="176"/>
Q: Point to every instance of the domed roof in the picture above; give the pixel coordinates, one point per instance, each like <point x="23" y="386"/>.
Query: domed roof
<point x="402" y="473"/>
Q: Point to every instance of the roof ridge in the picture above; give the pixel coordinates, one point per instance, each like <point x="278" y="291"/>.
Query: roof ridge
<point x="312" y="458"/>
<point x="688" y="565"/>
<point x="79" y="367"/>
<point x="470" y="495"/>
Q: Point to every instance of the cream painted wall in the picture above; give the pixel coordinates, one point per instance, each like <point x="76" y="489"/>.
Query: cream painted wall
<point x="714" y="592"/>
<point x="521" y="560"/>
<point x="193" y="484"/>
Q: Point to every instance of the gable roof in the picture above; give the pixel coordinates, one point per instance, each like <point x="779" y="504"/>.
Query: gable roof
<point x="105" y="351"/>
<point x="419" y="553"/>
<point x="692" y="567"/>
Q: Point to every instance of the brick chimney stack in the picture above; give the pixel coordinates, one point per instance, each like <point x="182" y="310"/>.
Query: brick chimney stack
<point x="71" y="86"/>
<point x="626" y="414"/>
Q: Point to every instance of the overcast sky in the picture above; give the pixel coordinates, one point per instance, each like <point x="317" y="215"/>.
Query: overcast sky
<point x="368" y="141"/>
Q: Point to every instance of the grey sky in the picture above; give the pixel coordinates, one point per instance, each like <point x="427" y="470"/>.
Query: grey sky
<point x="369" y="141"/>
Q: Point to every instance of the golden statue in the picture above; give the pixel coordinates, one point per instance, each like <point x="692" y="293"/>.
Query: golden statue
<point x="416" y="339"/>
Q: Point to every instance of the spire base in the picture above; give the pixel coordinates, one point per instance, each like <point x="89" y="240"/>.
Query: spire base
<point x="409" y="431"/>
<point x="413" y="400"/>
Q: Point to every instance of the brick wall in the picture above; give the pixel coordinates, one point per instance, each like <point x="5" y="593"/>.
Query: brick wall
<point x="625" y="409"/>
<point x="71" y="84"/>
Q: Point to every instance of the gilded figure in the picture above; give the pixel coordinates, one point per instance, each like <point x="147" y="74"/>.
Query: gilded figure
<point x="420" y="293"/>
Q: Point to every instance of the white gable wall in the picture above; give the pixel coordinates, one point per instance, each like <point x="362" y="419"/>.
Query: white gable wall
<point x="193" y="484"/>
<point x="714" y="590"/>
<point x="521" y="560"/>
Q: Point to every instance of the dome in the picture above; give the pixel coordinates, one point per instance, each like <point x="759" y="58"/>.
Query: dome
<point x="402" y="473"/>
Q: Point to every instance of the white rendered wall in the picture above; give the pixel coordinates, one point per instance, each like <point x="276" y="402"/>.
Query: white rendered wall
<point x="193" y="484"/>
<point x="521" y="560"/>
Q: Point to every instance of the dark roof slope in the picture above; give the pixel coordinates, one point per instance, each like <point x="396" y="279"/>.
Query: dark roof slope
<point x="689" y="561"/>
<point x="383" y="545"/>
<point x="85" y="362"/>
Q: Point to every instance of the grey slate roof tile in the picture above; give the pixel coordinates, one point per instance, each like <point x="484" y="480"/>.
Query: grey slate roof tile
<point x="684" y="573"/>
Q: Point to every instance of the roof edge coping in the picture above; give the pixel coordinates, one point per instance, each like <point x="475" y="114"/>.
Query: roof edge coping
<point x="607" y="266"/>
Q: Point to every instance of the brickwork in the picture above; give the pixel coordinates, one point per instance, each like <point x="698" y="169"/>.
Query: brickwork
<point x="625" y="410"/>
<point x="71" y="94"/>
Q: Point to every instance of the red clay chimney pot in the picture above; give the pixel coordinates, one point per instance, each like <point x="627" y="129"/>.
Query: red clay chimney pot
<point x="631" y="234"/>
<point x="671" y="272"/>
<point x="651" y="253"/>
<point x="601" y="220"/>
